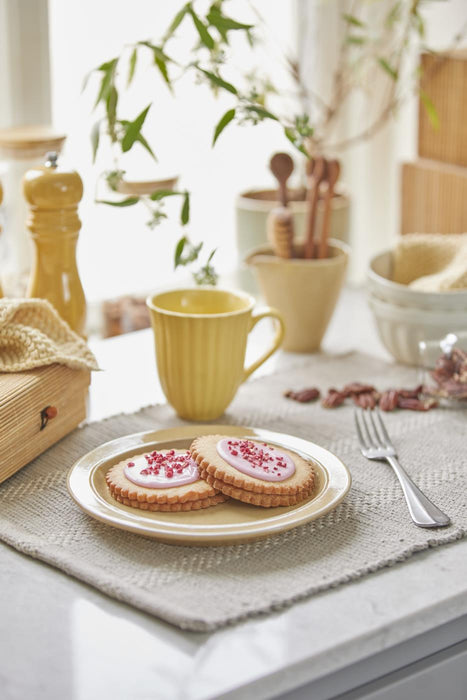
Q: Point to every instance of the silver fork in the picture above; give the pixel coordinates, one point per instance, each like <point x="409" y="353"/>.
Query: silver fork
<point x="375" y="443"/>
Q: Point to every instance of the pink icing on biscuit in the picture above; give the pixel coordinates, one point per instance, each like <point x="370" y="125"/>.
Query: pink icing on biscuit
<point x="261" y="461"/>
<point x="162" y="470"/>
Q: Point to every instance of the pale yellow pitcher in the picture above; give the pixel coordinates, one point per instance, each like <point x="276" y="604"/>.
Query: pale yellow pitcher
<point x="200" y="336"/>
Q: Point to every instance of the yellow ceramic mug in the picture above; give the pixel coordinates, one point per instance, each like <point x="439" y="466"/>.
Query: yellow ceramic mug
<point x="200" y="336"/>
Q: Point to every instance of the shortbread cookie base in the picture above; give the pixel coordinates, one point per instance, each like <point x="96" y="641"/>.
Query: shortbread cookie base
<point x="265" y="500"/>
<point x="119" y="485"/>
<point x="172" y="507"/>
<point x="210" y="463"/>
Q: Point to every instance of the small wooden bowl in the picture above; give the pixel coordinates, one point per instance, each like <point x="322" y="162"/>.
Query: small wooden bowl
<point x="139" y="187"/>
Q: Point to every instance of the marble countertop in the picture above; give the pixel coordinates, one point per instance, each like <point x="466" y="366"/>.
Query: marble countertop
<point x="60" y="638"/>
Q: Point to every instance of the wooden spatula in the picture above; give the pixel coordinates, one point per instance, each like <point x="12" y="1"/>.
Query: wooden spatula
<point x="316" y="171"/>
<point x="332" y="176"/>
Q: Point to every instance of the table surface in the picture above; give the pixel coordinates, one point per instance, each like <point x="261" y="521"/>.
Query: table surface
<point x="60" y="638"/>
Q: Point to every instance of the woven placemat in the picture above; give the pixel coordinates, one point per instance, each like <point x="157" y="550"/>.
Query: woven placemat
<point x="207" y="587"/>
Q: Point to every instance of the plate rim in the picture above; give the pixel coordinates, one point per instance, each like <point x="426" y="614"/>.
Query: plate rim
<point x="86" y="496"/>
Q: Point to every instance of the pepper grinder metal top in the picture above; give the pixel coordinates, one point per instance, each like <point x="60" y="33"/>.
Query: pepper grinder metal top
<point x="53" y="194"/>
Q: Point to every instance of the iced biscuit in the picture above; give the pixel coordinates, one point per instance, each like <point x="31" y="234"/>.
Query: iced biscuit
<point x="167" y="480"/>
<point x="253" y="471"/>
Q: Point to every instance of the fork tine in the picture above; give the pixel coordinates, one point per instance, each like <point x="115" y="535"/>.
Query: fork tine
<point x="359" y="432"/>
<point x="379" y="441"/>
<point x="366" y="429"/>
<point x="383" y="429"/>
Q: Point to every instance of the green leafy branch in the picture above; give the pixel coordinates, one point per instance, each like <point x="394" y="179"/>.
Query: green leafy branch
<point x="154" y="202"/>
<point x="212" y="34"/>
<point x="186" y="253"/>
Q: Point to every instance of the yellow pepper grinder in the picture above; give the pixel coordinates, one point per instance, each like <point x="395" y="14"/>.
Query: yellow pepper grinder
<point x="53" y="194"/>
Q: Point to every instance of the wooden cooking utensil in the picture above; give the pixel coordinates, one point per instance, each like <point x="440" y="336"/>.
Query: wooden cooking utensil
<point x="332" y="175"/>
<point x="281" y="166"/>
<point x="280" y="220"/>
<point x="316" y="171"/>
<point x="281" y="231"/>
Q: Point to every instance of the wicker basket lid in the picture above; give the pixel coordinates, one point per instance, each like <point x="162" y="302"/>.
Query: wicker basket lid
<point x="21" y="142"/>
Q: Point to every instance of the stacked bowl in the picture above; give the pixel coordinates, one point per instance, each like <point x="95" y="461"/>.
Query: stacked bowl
<point x="405" y="316"/>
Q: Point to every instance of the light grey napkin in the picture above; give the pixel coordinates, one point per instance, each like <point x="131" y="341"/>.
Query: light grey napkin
<point x="204" y="588"/>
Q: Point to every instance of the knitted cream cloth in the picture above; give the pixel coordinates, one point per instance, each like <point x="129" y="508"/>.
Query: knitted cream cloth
<point x="32" y="334"/>
<point x="431" y="262"/>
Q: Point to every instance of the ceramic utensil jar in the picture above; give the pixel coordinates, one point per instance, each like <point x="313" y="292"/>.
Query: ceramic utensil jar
<point x="200" y="336"/>
<point x="53" y="194"/>
<point x="304" y="291"/>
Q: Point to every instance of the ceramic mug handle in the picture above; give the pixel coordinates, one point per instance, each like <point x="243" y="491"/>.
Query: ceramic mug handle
<point x="280" y="329"/>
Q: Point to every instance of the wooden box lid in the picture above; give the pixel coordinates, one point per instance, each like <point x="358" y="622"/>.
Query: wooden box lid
<point x="26" y="433"/>
<point x="444" y="80"/>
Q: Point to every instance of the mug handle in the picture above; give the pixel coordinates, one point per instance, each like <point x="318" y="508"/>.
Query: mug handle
<point x="280" y="329"/>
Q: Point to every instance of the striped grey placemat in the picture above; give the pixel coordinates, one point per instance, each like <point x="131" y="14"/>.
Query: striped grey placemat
<point x="204" y="588"/>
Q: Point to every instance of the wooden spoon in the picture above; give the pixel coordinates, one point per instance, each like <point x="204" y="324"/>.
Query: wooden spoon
<point x="332" y="176"/>
<point x="316" y="171"/>
<point x="281" y="165"/>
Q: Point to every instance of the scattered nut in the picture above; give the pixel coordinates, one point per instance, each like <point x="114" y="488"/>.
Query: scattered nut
<point x="304" y="395"/>
<point x="333" y="399"/>
<point x="416" y="404"/>
<point x="367" y="399"/>
<point x="357" y="388"/>
<point x="389" y="400"/>
<point x="366" y="396"/>
<point x="411" y="393"/>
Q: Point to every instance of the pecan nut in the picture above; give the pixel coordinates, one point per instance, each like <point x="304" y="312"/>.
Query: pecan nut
<point x="451" y="388"/>
<point x="304" y="395"/>
<point x="411" y="393"/>
<point x="356" y="388"/>
<point x="333" y="399"/>
<point x="366" y="399"/>
<point x="389" y="400"/>
<point x="416" y="404"/>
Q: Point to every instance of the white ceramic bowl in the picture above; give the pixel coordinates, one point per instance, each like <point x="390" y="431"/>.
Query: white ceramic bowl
<point x="381" y="286"/>
<point x="401" y="329"/>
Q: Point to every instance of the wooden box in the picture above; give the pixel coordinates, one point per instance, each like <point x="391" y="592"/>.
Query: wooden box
<point x="444" y="80"/>
<point x="434" y="198"/>
<point x="26" y="432"/>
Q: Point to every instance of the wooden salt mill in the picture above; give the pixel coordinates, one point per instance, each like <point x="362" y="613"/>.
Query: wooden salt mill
<point x="53" y="194"/>
<point x="280" y="223"/>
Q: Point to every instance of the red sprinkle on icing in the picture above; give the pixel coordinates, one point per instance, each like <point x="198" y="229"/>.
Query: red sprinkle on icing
<point x="167" y="462"/>
<point x="256" y="455"/>
<point x="156" y="469"/>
